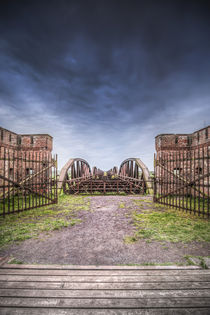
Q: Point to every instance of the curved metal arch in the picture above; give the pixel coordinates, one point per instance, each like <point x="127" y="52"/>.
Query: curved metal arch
<point x="129" y="168"/>
<point x="81" y="169"/>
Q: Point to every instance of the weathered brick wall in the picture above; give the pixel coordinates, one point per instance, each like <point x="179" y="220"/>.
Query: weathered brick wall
<point x="183" y="158"/>
<point x="33" y="142"/>
<point x="20" y="155"/>
<point x="8" y="138"/>
<point x="173" y="142"/>
<point x="36" y="142"/>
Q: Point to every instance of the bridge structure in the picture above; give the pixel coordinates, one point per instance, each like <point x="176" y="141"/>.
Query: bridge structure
<point x="132" y="177"/>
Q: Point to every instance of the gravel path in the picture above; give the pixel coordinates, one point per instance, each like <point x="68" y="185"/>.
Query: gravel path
<point x="98" y="240"/>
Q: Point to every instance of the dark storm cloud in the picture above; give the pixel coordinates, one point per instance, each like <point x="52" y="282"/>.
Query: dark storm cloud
<point x="102" y="72"/>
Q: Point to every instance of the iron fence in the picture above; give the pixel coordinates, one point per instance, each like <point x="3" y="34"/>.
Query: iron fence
<point x="28" y="179"/>
<point x="181" y="180"/>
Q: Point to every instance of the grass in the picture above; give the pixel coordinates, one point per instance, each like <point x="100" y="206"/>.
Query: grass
<point x="195" y="204"/>
<point x="23" y="202"/>
<point x="130" y="239"/>
<point x="138" y="202"/>
<point x="163" y="264"/>
<point x="144" y="200"/>
<point x="168" y="225"/>
<point x="15" y="261"/>
<point x="122" y="205"/>
<point x="199" y="258"/>
<point x="29" y="224"/>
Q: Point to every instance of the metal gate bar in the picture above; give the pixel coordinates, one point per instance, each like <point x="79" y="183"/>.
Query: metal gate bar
<point x="182" y="180"/>
<point x="28" y="180"/>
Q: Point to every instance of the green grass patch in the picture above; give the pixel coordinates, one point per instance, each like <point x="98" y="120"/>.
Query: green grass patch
<point x="15" y="261"/>
<point x="138" y="202"/>
<point x="195" y="204"/>
<point x="22" y="201"/>
<point x="147" y="200"/>
<point x="200" y="259"/>
<point x="122" y="205"/>
<point x="163" y="264"/>
<point x="169" y="225"/>
<point x="29" y="224"/>
<point x="130" y="239"/>
<point x="143" y="203"/>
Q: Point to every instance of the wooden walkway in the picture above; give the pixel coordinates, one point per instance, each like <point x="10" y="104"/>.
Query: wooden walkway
<point x="55" y="289"/>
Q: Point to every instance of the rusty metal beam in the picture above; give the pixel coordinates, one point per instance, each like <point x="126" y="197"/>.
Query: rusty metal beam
<point x="71" y="165"/>
<point x="142" y="166"/>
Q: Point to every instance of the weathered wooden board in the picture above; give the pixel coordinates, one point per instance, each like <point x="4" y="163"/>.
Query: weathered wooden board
<point x="105" y="303"/>
<point x="39" y="290"/>
<point x="106" y="286"/>
<point x="125" y="294"/>
<point x="93" y="267"/>
<point x="110" y="279"/>
<point x="133" y="273"/>
<point x="103" y="278"/>
<point x="160" y="311"/>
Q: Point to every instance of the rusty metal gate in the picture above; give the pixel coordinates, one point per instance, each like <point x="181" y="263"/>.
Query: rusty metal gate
<point x="182" y="180"/>
<point x="28" y="179"/>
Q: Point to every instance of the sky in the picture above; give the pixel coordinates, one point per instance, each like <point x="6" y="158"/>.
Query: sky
<point x="104" y="77"/>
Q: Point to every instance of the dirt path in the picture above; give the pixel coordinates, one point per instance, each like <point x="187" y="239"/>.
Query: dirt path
<point x="99" y="240"/>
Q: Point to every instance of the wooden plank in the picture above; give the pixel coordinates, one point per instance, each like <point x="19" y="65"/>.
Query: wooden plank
<point x="125" y="294"/>
<point x="105" y="286"/>
<point x="36" y="285"/>
<point x="61" y="311"/>
<point x="104" y="278"/>
<point x="111" y="303"/>
<point x="117" y="291"/>
<point x="94" y="267"/>
<point x="103" y="272"/>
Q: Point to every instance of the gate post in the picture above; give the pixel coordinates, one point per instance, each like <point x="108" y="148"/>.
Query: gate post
<point x="104" y="187"/>
<point x="155" y="183"/>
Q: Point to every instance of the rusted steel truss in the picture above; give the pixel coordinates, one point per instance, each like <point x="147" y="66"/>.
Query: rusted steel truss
<point x="133" y="178"/>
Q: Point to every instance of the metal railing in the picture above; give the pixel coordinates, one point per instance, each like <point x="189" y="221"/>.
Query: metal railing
<point x="28" y="179"/>
<point x="182" y="180"/>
